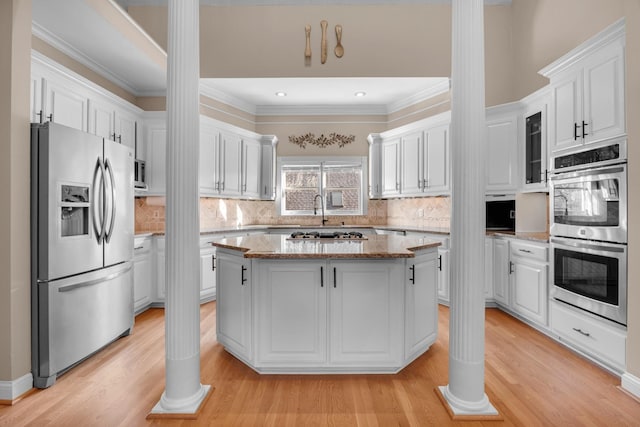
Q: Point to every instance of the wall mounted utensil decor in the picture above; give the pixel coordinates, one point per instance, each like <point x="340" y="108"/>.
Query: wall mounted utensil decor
<point x="307" y="49"/>
<point x="322" y="141"/>
<point x="339" y="50"/>
<point x="323" y="42"/>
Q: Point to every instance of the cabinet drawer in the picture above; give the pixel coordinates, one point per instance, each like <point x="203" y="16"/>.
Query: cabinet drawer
<point x="603" y="341"/>
<point x="141" y="245"/>
<point x="529" y="250"/>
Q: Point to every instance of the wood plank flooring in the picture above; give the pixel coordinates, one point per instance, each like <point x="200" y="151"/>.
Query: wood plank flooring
<point x="530" y="379"/>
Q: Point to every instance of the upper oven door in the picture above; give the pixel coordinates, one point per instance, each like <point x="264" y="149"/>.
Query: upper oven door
<point x="590" y="204"/>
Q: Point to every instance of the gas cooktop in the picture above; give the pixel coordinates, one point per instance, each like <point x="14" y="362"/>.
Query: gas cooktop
<point x="310" y="235"/>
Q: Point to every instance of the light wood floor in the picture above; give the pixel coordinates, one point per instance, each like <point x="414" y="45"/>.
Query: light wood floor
<point x="531" y="380"/>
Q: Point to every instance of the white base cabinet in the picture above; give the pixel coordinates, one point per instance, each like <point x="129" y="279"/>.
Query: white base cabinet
<point x="529" y="281"/>
<point x="501" y="270"/>
<point x="233" y="308"/>
<point x="142" y="273"/>
<point x="597" y="338"/>
<point x="326" y="316"/>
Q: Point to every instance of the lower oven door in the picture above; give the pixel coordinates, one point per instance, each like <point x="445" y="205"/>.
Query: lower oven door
<point x="591" y="275"/>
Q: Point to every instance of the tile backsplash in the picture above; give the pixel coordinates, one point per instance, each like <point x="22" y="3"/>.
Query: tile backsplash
<point x="222" y="213"/>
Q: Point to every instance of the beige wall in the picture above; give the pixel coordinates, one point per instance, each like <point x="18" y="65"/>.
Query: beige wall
<point x="15" y="51"/>
<point x="544" y="30"/>
<point x="408" y="40"/>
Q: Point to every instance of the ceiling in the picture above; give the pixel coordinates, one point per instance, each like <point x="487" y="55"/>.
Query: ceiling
<point x="101" y="35"/>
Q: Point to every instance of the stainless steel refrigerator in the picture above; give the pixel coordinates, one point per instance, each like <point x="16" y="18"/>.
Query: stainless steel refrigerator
<point x="82" y="230"/>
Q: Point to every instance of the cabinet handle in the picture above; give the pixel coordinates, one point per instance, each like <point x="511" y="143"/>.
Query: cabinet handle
<point x="510" y="267"/>
<point x="580" y="331"/>
<point x="545" y="175"/>
<point x="39" y="114"/>
<point x="413" y="274"/>
<point x="120" y="139"/>
<point x="113" y="136"/>
<point x="222" y="185"/>
<point x="244" y="279"/>
<point x="138" y="248"/>
<point x="397" y="185"/>
<point x="584" y="125"/>
<point x="335" y="279"/>
<point x="50" y="117"/>
<point x="265" y="190"/>
<point x="321" y="277"/>
<point x="527" y="251"/>
<point x="440" y="262"/>
<point x="213" y="263"/>
<point x="575" y="131"/>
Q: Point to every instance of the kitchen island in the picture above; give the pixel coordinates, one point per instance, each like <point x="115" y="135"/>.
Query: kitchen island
<point x="288" y="305"/>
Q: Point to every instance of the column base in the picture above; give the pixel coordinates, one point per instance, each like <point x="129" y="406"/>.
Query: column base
<point x="468" y="411"/>
<point x="184" y="408"/>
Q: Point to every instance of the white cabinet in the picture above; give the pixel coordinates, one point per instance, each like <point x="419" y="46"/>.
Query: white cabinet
<point x="251" y="163"/>
<point x="412" y="164"/>
<point x="65" y="103"/>
<point x="112" y="122"/>
<point x="142" y="273"/>
<point x="233" y="313"/>
<point x="160" y="290"/>
<point x="501" y="268"/>
<point x="443" y="275"/>
<point x="587" y="91"/>
<point x="268" y="167"/>
<point x="289" y="290"/>
<point x="528" y="268"/>
<point x="207" y="273"/>
<point x="390" y="168"/>
<point x="600" y="339"/>
<point x="436" y="160"/>
<point x="488" y="269"/>
<point x="421" y="321"/>
<point x="502" y="150"/>
<point x="375" y="165"/>
<point x="230" y="164"/>
<point x="156" y="154"/>
<point x="209" y="181"/>
<point x="35" y="99"/>
<point x="366" y="313"/>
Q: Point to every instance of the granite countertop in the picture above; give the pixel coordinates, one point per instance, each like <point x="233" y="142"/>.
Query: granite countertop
<point x="541" y="237"/>
<point x="271" y="246"/>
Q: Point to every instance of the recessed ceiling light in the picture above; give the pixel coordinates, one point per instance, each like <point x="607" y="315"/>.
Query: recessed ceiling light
<point x="281" y="93"/>
<point x="360" y="94"/>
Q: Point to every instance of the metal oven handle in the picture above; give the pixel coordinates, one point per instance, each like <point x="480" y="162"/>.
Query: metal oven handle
<point x="583" y="245"/>
<point x="589" y="172"/>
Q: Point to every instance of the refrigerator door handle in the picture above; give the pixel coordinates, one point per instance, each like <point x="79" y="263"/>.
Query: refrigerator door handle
<point x="94" y="282"/>
<point x="96" y="203"/>
<point x="112" y="203"/>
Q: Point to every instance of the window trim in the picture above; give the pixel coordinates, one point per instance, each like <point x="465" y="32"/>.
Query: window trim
<point x="320" y="161"/>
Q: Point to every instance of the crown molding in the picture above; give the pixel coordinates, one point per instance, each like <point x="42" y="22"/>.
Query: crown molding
<point x="320" y="110"/>
<point x="420" y="96"/>
<point x="225" y="98"/>
<point x="78" y="56"/>
<point x="615" y="31"/>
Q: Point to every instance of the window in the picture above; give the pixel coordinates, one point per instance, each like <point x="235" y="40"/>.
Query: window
<point x="309" y="183"/>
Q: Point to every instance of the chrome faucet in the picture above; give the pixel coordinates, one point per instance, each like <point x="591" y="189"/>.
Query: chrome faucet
<point x="315" y="209"/>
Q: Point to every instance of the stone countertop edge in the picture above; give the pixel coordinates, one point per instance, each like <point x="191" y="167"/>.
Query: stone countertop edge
<point x="408" y="252"/>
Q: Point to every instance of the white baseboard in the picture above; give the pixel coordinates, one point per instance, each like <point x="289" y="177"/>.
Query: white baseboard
<point x="631" y="384"/>
<point x="10" y="390"/>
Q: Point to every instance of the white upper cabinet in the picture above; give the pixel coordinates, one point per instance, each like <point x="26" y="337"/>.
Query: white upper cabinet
<point x="375" y="165"/>
<point x="156" y="155"/>
<point x="268" y="167"/>
<point x="436" y="159"/>
<point x="209" y="160"/>
<point x="587" y="91"/>
<point x="412" y="164"/>
<point x="231" y="164"/>
<point x="534" y="168"/>
<point x="502" y="149"/>
<point x="251" y="164"/>
<point x="412" y="160"/>
<point x="113" y="122"/>
<point x="390" y="168"/>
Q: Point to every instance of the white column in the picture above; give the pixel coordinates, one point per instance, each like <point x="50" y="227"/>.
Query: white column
<point x="465" y="392"/>
<point x="183" y="392"/>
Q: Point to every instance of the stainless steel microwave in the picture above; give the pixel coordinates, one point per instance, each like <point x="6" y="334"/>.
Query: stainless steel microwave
<point x="139" y="175"/>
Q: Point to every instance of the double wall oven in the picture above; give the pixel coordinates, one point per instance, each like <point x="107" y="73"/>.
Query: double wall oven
<point x="589" y="230"/>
